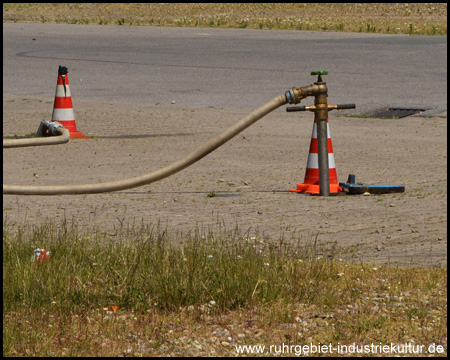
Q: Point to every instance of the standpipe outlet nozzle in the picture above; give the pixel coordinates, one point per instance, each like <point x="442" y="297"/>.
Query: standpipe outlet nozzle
<point x="295" y="95"/>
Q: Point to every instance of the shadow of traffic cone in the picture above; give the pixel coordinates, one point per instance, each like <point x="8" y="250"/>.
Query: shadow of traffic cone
<point x="311" y="184"/>
<point x="62" y="108"/>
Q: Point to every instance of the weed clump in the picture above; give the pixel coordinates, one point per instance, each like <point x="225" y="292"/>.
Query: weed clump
<point x="140" y="290"/>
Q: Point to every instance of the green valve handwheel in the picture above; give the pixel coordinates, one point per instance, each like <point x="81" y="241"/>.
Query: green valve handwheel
<point x="321" y="72"/>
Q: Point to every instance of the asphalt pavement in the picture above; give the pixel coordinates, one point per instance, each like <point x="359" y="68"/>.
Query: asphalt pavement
<point x="225" y="68"/>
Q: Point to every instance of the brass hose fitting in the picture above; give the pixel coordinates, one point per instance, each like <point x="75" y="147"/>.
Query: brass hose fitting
<point x="295" y="95"/>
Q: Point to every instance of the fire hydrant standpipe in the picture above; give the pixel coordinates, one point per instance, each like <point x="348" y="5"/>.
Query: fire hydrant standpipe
<point x="321" y="117"/>
<point x="320" y="108"/>
<point x="158" y="174"/>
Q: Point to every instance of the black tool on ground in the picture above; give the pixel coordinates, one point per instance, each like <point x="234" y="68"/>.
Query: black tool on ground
<point x="353" y="188"/>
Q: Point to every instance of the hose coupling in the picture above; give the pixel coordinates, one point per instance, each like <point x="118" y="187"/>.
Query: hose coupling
<point x="47" y="128"/>
<point x="290" y="97"/>
<point x="55" y="127"/>
<point x="295" y="95"/>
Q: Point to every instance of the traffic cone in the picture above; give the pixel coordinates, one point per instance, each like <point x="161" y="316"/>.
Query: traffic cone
<point x="62" y="108"/>
<point x="311" y="184"/>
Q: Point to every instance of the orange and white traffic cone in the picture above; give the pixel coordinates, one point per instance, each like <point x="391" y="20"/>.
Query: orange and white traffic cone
<point x="62" y="108"/>
<point x="311" y="184"/>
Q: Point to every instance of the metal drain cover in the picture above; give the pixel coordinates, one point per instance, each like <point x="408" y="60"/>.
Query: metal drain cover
<point x="393" y="112"/>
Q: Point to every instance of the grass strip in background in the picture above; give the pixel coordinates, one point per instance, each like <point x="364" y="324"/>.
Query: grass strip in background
<point x="385" y="18"/>
<point x="139" y="291"/>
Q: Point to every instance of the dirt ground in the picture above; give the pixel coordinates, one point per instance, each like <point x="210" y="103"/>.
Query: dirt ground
<point x="249" y="175"/>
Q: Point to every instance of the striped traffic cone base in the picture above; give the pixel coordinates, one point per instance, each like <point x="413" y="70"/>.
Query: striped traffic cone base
<point x="62" y="108"/>
<point x="315" y="188"/>
<point x="77" y="135"/>
<point x="311" y="183"/>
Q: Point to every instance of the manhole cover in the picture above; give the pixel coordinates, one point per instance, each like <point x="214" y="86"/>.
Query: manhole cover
<point x="393" y="112"/>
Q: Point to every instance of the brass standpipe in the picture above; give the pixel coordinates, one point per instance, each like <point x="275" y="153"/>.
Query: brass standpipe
<point x="321" y="118"/>
<point x="320" y="108"/>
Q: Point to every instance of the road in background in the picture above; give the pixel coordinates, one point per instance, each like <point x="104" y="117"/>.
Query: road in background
<point x="225" y="68"/>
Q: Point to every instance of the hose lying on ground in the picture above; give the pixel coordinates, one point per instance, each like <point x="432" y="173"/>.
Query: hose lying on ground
<point x="158" y="174"/>
<point x="62" y="136"/>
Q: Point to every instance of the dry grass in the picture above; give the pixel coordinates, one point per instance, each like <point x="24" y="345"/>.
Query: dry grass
<point x="132" y="293"/>
<point x="397" y="18"/>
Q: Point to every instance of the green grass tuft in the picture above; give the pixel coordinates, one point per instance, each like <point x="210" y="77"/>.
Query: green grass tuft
<point x="155" y="280"/>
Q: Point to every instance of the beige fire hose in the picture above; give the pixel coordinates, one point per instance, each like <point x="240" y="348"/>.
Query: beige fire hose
<point x="55" y="128"/>
<point x="158" y="174"/>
